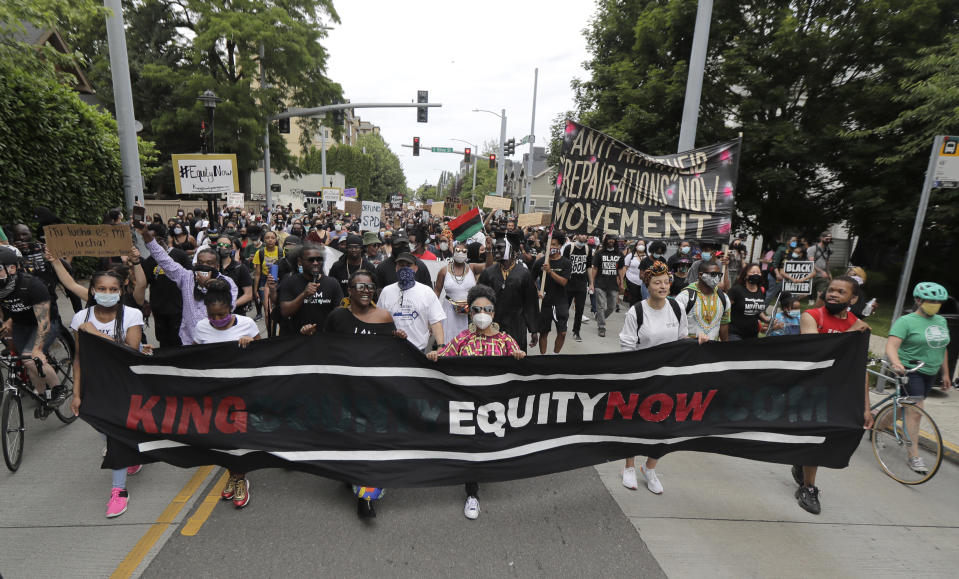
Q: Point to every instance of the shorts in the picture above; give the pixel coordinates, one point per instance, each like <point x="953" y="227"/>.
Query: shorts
<point x="919" y="384"/>
<point x="550" y="314"/>
<point x="25" y="336"/>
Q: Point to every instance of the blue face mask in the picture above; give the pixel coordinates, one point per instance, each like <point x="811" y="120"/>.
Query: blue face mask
<point x="106" y="300"/>
<point x="406" y="277"/>
<point x="684" y="249"/>
<point x="793" y="244"/>
<point x="706" y="255"/>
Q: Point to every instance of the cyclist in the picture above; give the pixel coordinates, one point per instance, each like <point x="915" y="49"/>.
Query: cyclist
<point x="833" y="318"/>
<point x="921" y="336"/>
<point x="31" y="319"/>
<point x="110" y="319"/>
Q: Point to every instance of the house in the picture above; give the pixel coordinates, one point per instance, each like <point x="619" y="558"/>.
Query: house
<point x="40" y="37"/>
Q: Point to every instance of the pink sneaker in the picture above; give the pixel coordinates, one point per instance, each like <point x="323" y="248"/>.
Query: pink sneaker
<point x="117" y="504"/>
<point x="132" y="470"/>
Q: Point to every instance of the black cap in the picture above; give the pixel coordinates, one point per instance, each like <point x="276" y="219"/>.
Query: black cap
<point x="399" y="238"/>
<point x="8" y="256"/>
<point x="406" y="256"/>
<point x="354" y="240"/>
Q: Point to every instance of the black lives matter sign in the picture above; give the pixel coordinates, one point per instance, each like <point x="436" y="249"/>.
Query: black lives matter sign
<point x="798" y="270"/>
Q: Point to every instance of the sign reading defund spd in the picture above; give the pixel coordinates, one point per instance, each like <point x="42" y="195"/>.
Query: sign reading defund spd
<point x="205" y="174"/>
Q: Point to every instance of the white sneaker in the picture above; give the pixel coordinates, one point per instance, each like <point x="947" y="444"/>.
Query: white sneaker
<point x="585" y="319"/>
<point x="629" y="478"/>
<point x="471" y="510"/>
<point x="652" y="481"/>
<point x="917" y="464"/>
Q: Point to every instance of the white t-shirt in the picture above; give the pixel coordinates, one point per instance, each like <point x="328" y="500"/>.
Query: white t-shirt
<point x="413" y="311"/>
<point x="659" y="327"/>
<point x="205" y="333"/>
<point x="131" y="317"/>
<point x="632" y="269"/>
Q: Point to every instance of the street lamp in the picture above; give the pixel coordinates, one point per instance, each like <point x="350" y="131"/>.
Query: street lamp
<point x="209" y="100"/>
<point x="500" y="167"/>
<point x="475" y="148"/>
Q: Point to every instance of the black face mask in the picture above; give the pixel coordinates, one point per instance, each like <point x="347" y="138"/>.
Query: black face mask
<point x="836" y="309"/>
<point x="224" y="252"/>
<point x="755" y="279"/>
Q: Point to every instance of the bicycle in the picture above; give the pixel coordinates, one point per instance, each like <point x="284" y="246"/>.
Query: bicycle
<point x="890" y="434"/>
<point x="16" y="385"/>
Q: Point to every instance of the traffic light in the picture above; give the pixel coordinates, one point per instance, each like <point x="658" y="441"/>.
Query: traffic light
<point x="509" y="148"/>
<point x="492" y="161"/>
<point x="422" y="113"/>
<point x="284" y="125"/>
<point x="467" y="155"/>
<point x="416" y="146"/>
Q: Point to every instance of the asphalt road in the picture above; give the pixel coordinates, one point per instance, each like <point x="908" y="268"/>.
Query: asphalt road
<point x="719" y="517"/>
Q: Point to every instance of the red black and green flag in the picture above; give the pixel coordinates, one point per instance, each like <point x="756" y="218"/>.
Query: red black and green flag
<point x="466" y="225"/>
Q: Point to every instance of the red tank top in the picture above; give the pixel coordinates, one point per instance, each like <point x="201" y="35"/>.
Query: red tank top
<point x="830" y="324"/>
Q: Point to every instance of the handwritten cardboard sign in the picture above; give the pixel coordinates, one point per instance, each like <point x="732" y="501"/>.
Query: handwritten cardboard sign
<point x="371" y="216"/>
<point x="493" y="202"/>
<point x="66" y="240"/>
<point x="436" y="209"/>
<point x="352" y="206"/>
<point x="531" y="219"/>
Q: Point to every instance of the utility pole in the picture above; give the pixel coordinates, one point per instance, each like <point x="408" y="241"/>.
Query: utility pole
<point x="532" y="139"/>
<point x="123" y="99"/>
<point x="266" y="138"/>
<point x="694" y="82"/>
<point x="501" y="161"/>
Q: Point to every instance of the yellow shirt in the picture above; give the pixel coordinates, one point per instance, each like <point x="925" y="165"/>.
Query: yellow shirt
<point x="269" y="258"/>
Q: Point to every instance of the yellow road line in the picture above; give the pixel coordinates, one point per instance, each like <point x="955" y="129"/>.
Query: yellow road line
<point x="156" y="530"/>
<point x="192" y="526"/>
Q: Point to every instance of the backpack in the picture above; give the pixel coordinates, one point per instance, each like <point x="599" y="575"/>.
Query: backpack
<point x="638" y="306"/>
<point x="692" y="300"/>
<point x="280" y="254"/>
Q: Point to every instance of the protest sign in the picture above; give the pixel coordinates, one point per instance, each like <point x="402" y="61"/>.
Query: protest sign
<point x="65" y="240"/>
<point x="531" y="219"/>
<point x="604" y="186"/>
<point x="352" y="206"/>
<point x="205" y="174"/>
<point x="340" y="205"/>
<point x="331" y="194"/>
<point x="493" y="202"/>
<point x="396" y="202"/>
<point x="798" y="270"/>
<point x="234" y="199"/>
<point x="436" y="209"/>
<point x="350" y="193"/>
<point x="389" y="417"/>
<point x="370" y="218"/>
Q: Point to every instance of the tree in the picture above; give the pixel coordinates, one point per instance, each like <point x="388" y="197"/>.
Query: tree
<point x="387" y="175"/>
<point x="351" y="161"/>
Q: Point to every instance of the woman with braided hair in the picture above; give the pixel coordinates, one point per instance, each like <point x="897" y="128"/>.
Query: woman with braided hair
<point x="653" y="321"/>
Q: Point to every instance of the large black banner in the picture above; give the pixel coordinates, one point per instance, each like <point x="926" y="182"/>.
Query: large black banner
<point x="373" y="409"/>
<point x="604" y="186"/>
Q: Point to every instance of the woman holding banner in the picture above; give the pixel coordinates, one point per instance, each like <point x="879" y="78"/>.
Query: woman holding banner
<point x="481" y="338"/>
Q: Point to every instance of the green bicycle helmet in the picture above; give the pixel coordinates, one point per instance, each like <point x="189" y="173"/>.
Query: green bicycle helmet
<point x="927" y="290"/>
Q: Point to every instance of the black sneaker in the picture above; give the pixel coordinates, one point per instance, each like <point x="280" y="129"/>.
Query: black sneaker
<point x="798" y="475"/>
<point x="602" y="332"/>
<point x="57" y="395"/>
<point x="364" y="509"/>
<point x="809" y="499"/>
<point x="576" y="337"/>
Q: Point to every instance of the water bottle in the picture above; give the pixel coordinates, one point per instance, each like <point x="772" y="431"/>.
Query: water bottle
<point x="870" y="305"/>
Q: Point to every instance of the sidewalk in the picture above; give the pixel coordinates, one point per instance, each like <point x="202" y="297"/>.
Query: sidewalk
<point x="942" y="406"/>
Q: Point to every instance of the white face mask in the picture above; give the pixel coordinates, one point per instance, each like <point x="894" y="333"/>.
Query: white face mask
<point x="444" y="246"/>
<point x="641" y="248"/>
<point x="459" y="257"/>
<point x="482" y="321"/>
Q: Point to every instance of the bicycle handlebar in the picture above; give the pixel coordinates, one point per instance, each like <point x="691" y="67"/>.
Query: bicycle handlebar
<point x="887" y="364"/>
<point x="25" y="357"/>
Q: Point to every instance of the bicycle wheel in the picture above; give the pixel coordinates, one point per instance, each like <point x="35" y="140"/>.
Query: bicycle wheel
<point x="893" y="444"/>
<point x="60" y="356"/>
<point x="12" y="430"/>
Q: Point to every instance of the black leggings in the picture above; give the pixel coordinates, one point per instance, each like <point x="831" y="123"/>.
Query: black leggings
<point x="472" y="489"/>
<point x="579" y="298"/>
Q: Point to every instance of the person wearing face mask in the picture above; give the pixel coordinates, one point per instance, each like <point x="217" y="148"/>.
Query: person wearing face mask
<point x="386" y="272"/>
<point x="783" y="252"/>
<point x="554" y="307"/>
<point x="227" y="250"/>
<point x="605" y="275"/>
<point x="166" y="303"/>
<point x="415" y="308"/>
<point x="456" y="279"/>
<point x="748" y="300"/>
<point x="786" y="322"/>
<point x="819" y="254"/>
<point x="108" y="318"/>
<point x="444" y="246"/>
<point x="518" y="311"/>
<point x="635" y="262"/>
<point x="182" y="239"/>
<point x="863" y="307"/>
<point x="921" y="336"/>
<point x="222" y="325"/>
<point x="482" y="337"/>
<point x="707" y="307"/>
<point x="708" y="250"/>
<point x="580" y="255"/>
<point x="192" y="284"/>
<point x="373" y="248"/>
<point x="350" y="262"/>
<point x="833" y="318"/>
<point x="307" y="296"/>
<point x="418" y="243"/>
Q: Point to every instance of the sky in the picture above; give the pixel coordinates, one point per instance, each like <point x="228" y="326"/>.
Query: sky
<point x="468" y="56"/>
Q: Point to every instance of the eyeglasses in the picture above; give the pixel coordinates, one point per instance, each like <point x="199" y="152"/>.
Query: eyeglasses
<point x="459" y="250"/>
<point x="224" y="245"/>
<point x="377" y="244"/>
<point x="482" y="309"/>
<point x="364" y="287"/>
<point x="314" y="259"/>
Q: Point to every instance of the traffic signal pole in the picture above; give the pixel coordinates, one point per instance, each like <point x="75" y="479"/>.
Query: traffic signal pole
<point x="501" y="162"/>
<point x="532" y="139"/>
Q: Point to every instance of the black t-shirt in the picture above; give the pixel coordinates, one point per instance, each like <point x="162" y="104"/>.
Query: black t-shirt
<point x="165" y="296"/>
<point x="240" y="275"/>
<point x="36" y="265"/>
<point x="579" y="260"/>
<point x="342" y="321"/>
<point x="315" y="307"/>
<point x="28" y="292"/>
<point x="341" y="271"/>
<point x="555" y="293"/>
<point x="607" y="265"/>
<point x="746" y="307"/>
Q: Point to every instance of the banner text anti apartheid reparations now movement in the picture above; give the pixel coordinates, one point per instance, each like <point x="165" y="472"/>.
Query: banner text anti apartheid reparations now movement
<point x="604" y="186"/>
<point x="396" y="419"/>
